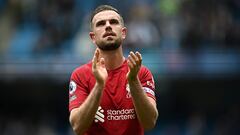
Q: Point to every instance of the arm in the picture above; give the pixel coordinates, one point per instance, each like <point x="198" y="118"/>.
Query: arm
<point x="145" y="106"/>
<point x="81" y="118"/>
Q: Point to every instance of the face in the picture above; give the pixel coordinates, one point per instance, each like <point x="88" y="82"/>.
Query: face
<point x="107" y="30"/>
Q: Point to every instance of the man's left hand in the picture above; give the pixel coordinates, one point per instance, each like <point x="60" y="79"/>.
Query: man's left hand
<point x="134" y="64"/>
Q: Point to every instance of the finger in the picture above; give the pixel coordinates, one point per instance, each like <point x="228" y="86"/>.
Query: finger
<point x="94" y="60"/>
<point x="131" y="60"/>
<point x="139" y="57"/>
<point x="135" y="58"/>
<point x="97" y="54"/>
<point x="130" y="65"/>
<point x="102" y="62"/>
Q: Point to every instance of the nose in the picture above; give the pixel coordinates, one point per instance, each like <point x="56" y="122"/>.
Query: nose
<point x="108" y="26"/>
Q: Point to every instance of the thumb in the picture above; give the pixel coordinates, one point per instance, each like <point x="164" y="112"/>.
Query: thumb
<point x="128" y="72"/>
<point x="102" y="62"/>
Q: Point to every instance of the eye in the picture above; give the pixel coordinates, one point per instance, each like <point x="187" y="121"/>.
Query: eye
<point x="100" y="23"/>
<point x="114" y="21"/>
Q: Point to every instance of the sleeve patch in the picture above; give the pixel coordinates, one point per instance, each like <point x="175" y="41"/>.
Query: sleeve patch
<point x="73" y="97"/>
<point x="72" y="87"/>
<point x="148" y="90"/>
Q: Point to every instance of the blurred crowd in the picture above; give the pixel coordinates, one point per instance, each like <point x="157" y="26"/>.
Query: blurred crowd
<point x="196" y="123"/>
<point x="33" y="29"/>
<point x="61" y="26"/>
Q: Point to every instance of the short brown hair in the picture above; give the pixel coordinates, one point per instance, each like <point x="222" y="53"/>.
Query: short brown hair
<point x="104" y="8"/>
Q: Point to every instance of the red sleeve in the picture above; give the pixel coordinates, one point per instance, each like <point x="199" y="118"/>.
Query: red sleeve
<point x="78" y="90"/>
<point x="147" y="82"/>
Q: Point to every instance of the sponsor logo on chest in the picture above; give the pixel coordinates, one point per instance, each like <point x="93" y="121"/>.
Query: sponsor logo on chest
<point x="123" y="114"/>
<point x="128" y="95"/>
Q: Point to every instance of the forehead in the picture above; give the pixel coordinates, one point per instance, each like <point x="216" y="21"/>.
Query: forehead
<point x="105" y="15"/>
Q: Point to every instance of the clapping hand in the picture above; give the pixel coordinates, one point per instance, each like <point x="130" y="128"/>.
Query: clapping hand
<point x="98" y="68"/>
<point x="134" y="64"/>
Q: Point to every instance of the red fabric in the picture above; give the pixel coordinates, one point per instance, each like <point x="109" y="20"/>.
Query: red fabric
<point x="116" y="103"/>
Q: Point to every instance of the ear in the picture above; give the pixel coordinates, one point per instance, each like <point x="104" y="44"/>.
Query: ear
<point x="92" y="36"/>
<point x="124" y="32"/>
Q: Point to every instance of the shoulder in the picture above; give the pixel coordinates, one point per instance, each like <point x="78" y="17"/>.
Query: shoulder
<point x="144" y="72"/>
<point x="82" y="71"/>
<point x="144" y="69"/>
<point x="83" y="68"/>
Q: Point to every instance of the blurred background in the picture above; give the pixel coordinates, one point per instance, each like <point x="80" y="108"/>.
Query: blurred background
<point x="192" y="48"/>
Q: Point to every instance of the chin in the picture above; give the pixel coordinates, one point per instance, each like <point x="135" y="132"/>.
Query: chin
<point x="109" y="47"/>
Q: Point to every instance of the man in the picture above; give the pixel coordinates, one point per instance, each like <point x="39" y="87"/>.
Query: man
<point x="111" y="95"/>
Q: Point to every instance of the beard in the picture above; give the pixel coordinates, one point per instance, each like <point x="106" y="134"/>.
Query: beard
<point x="109" y="45"/>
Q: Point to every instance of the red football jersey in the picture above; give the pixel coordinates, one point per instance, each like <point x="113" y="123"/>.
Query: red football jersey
<point x="116" y="114"/>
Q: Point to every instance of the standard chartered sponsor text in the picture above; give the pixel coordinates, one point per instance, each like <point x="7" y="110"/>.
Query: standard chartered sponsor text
<point x="124" y="114"/>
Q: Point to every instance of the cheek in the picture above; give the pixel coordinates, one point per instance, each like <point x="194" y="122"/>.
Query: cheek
<point x="96" y="36"/>
<point x="99" y="33"/>
<point x="120" y="31"/>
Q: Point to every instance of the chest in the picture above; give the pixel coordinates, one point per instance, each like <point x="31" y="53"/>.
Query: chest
<point x="116" y="93"/>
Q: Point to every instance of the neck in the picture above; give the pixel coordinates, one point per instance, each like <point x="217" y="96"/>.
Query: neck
<point x="113" y="59"/>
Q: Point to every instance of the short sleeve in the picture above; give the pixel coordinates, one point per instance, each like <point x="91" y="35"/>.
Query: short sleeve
<point x="78" y="91"/>
<point x="147" y="82"/>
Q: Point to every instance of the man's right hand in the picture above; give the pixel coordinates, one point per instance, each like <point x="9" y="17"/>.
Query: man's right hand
<point x="98" y="68"/>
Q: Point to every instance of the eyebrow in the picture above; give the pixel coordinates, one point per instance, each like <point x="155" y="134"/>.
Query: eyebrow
<point x="100" y="23"/>
<point x="114" y="21"/>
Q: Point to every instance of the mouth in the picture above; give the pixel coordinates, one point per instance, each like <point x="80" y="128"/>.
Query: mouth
<point x="109" y="34"/>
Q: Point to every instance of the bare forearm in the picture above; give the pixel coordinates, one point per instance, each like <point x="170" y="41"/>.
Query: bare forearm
<point x="146" y="111"/>
<point x="83" y="116"/>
